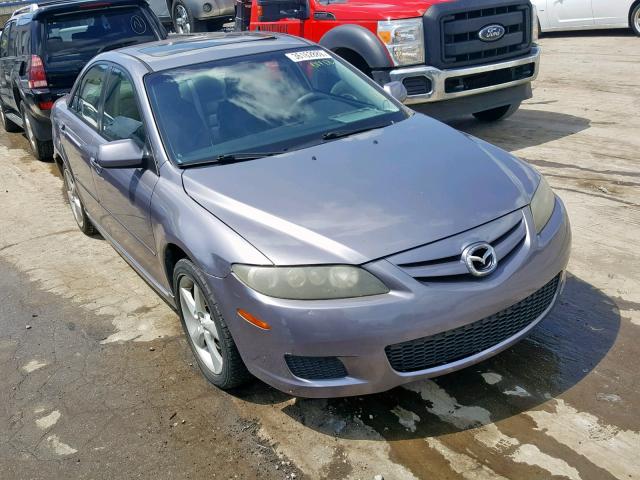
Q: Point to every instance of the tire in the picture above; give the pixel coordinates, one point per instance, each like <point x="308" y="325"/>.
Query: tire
<point x="635" y="20"/>
<point x="207" y="333"/>
<point x="77" y="207"/>
<point x="184" y="21"/>
<point x="8" y="125"/>
<point x="496" y="114"/>
<point x="42" y="150"/>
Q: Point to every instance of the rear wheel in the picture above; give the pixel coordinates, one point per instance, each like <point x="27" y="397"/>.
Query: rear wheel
<point x="42" y="150"/>
<point x="206" y="331"/>
<point x="183" y="20"/>
<point x="77" y="208"/>
<point x="499" y="113"/>
<point x="635" y="20"/>
<point x="8" y="125"/>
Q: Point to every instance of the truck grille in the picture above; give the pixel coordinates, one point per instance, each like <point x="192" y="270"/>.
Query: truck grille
<point x="463" y="342"/>
<point x="461" y="45"/>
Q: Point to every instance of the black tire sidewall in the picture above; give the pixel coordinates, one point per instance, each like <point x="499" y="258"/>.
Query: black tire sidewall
<point x="228" y="377"/>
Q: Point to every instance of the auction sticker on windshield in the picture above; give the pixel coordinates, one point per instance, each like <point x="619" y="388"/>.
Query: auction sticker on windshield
<point x="307" y="55"/>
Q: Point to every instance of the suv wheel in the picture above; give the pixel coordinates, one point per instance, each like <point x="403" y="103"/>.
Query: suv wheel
<point x="42" y="150"/>
<point x="205" y="329"/>
<point x="8" y="125"/>
<point x="635" y="20"/>
<point x="77" y="208"/>
<point x="495" y="114"/>
<point x="183" y="21"/>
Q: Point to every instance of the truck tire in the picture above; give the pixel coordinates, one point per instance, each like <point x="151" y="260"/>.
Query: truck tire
<point x="635" y="20"/>
<point x="42" y="150"/>
<point x="8" y="125"/>
<point x="495" y="114"/>
<point x="184" y="21"/>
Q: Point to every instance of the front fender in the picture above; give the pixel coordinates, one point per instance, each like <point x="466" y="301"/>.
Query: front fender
<point x="361" y="41"/>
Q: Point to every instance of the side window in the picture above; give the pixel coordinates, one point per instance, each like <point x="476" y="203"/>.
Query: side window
<point x="121" y="116"/>
<point x="11" y="46"/>
<point x="87" y="99"/>
<point x="4" y="40"/>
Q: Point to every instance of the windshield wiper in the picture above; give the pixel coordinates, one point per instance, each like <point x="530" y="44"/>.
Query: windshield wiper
<point x="232" y="158"/>
<point x="345" y="133"/>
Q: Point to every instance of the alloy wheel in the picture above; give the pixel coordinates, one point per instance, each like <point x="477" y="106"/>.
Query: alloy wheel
<point x="182" y="20"/>
<point x="200" y="326"/>
<point x="636" y="20"/>
<point x="74" y="199"/>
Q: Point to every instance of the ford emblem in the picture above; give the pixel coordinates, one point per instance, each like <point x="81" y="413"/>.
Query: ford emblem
<point x="491" y="33"/>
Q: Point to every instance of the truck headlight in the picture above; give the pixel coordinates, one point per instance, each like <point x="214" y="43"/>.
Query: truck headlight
<point x="404" y="39"/>
<point x="542" y="205"/>
<point x="310" y="283"/>
<point x="535" y="26"/>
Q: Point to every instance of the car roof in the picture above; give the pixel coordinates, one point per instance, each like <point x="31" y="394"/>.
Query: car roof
<point x="36" y="9"/>
<point x="183" y="50"/>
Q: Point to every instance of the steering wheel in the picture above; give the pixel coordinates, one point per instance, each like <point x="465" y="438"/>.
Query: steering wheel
<point x="308" y="98"/>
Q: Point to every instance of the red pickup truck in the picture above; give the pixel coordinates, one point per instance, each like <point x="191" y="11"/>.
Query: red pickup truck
<point x="453" y="57"/>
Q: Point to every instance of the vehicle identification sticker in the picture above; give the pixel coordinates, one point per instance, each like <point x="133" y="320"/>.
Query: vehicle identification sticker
<point x="138" y="25"/>
<point x="307" y="55"/>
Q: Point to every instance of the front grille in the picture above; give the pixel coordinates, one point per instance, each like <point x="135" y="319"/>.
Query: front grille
<point x="315" y="368"/>
<point x="463" y="342"/>
<point x="461" y="45"/>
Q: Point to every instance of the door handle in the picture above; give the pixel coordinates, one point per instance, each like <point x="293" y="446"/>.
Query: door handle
<point x="96" y="166"/>
<point x="63" y="127"/>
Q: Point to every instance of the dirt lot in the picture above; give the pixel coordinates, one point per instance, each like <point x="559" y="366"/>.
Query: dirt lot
<point x="96" y="380"/>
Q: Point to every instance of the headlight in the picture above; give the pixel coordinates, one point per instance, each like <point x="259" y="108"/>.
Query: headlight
<point x="542" y="205"/>
<point x="535" y="30"/>
<point x="310" y="283"/>
<point x="404" y="39"/>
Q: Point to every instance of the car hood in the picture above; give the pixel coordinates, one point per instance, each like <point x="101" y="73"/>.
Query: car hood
<point x="366" y="196"/>
<point x="354" y="10"/>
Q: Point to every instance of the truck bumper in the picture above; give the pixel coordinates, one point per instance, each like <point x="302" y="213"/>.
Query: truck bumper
<point x="429" y="85"/>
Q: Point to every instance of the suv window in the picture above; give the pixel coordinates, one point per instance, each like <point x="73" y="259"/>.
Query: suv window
<point x="76" y="38"/>
<point x="121" y="116"/>
<point x="4" y="40"/>
<point x="86" y="101"/>
<point x="11" y="45"/>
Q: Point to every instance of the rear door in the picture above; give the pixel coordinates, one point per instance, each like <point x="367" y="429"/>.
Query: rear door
<point x="125" y="193"/>
<point x="570" y="14"/>
<point x="613" y="13"/>
<point x="80" y="135"/>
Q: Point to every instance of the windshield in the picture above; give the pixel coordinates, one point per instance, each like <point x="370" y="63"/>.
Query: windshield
<point x="268" y="103"/>
<point x="76" y="38"/>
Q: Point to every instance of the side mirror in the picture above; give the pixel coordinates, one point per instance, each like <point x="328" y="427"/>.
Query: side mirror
<point x="120" y="154"/>
<point x="397" y="90"/>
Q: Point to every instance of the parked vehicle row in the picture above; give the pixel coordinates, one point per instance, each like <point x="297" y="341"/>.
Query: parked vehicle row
<point x="309" y="228"/>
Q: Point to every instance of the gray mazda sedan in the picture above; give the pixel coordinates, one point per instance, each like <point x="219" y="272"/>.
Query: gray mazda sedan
<point x="310" y="230"/>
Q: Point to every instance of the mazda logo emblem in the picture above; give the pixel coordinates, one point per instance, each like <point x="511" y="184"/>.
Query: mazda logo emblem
<point x="492" y="33"/>
<point x="480" y="259"/>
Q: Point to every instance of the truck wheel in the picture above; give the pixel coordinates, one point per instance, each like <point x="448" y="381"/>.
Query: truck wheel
<point x="495" y="114"/>
<point x="42" y="150"/>
<point x="8" y="125"/>
<point x="635" y="20"/>
<point x="183" y="20"/>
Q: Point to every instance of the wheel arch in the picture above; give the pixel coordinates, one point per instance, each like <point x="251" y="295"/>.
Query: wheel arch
<point x="631" y="9"/>
<point x="173" y="253"/>
<point x="360" y="41"/>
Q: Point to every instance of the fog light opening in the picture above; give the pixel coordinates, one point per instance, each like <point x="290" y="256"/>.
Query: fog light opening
<point x="253" y="320"/>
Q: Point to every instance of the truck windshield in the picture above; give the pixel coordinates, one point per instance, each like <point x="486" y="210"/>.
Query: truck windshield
<point x="269" y="102"/>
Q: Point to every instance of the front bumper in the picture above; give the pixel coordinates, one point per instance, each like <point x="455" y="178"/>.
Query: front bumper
<point x="440" y="80"/>
<point x="356" y="331"/>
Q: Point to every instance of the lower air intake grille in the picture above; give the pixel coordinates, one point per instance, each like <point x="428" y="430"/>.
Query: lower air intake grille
<point x="316" y="368"/>
<point x="419" y="85"/>
<point x="463" y="342"/>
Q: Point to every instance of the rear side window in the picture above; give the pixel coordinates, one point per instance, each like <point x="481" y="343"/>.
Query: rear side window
<point x="4" y="41"/>
<point x="74" y="39"/>
<point x="121" y="117"/>
<point x="87" y="99"/>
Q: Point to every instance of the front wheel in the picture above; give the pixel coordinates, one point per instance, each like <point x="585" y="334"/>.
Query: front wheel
<point x="495" y="114"/>
<point x="184" y="22"/>
<point x="635" y="20"/>
<point x="42" y="150"/>
<point x="206" y="331"/>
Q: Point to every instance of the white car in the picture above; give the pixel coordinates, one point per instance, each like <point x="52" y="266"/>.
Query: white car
<point x="558" y="15"/>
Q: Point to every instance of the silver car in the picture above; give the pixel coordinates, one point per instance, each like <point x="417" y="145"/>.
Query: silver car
<point x="309" y="229"/>
<point x="190" y="16"/>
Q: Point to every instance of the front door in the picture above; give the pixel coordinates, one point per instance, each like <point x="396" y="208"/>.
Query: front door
<point x="570" y="13"/>
<point x="614" y="13"/>
<point x="125" y="193"/>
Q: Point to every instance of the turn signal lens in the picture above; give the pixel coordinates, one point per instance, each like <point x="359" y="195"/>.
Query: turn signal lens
<point x="253" y="320"/>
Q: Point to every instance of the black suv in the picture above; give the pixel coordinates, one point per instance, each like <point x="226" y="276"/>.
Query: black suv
<point x="43" y="48"/>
